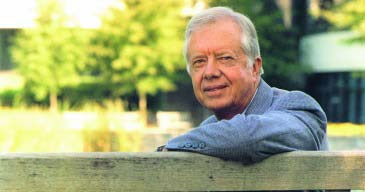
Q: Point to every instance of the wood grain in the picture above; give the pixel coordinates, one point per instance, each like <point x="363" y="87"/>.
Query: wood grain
<point x="178" y="171"/>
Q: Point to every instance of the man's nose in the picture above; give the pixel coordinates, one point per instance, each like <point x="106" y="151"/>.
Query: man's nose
<point x="212" y="69"/>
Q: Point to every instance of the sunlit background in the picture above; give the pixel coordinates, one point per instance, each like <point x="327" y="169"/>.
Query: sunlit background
<point x="91" y="75"/>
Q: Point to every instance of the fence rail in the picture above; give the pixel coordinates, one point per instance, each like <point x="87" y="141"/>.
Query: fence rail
<point x="178" y="171"/>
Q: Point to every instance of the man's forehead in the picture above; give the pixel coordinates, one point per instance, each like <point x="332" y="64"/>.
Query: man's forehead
<point x="206" y="46"/>
<point x="213" y="52"/>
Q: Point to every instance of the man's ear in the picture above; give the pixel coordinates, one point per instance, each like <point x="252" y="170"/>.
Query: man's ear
<point x="257" y="65"/>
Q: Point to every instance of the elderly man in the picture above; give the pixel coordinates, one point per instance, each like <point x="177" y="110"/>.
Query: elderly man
<point x="251" y="120"/>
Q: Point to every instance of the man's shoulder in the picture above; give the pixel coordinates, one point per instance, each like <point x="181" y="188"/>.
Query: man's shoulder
<point x="210" y="119"/>
<point x="285" y="93"/>
<point x="293" y="99"/>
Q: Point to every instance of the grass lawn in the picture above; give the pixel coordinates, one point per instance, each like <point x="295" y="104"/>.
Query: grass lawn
<point x="346" y="130"/>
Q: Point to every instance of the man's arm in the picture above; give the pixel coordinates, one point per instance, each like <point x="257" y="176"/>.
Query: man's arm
<point x="294" y="122"/>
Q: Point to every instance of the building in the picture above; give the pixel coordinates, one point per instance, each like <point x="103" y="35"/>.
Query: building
<point x="338" y="74"/>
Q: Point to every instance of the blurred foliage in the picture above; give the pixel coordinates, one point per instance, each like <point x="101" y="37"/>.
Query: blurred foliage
<point x="77" y="96"/>
<point x="348" y="15"/>
<point x="7" y="97"/>
<point x="137" y="51"/>
<point x="50" y="55"/>
<point x="138" y="47"/>
<point x="278" y="45"/>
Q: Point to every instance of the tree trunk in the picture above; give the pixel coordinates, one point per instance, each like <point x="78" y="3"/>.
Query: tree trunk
<point x="53" y="102"/>
<point x="143" y="108"/>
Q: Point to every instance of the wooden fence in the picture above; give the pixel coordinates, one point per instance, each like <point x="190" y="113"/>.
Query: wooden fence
<point x="178" y="171"/>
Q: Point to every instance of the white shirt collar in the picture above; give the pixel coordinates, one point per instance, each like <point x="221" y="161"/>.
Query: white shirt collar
<point x="244" y="112"/>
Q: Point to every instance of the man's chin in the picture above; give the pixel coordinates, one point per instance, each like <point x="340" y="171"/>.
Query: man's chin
<point x="216" y="107"/>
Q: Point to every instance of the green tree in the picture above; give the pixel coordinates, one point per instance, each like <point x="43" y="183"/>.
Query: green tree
<point x="278" y="44"/>
<point x="50" y="55"/>
<point x="348" y="15"/>
<point x="138" y="48"/>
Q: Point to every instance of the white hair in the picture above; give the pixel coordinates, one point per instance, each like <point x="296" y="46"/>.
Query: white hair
<point x="249" y="40"/>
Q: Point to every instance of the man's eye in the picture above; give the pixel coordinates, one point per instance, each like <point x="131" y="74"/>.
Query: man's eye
<point x="225" y="58"/>
<point x="198" y="62"/>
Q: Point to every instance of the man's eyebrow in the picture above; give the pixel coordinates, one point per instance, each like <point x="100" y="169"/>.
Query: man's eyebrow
<point x="197" y="56"/>
<point x="225" y="53"/>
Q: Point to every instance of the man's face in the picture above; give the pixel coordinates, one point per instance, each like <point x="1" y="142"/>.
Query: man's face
<point x="221" y="79"/>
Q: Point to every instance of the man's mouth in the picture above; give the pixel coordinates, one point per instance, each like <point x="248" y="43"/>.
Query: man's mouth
<point x="214" y="88"/>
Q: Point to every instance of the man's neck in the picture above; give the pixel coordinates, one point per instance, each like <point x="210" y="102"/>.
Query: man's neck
<point x="231" y="112"/>
<point x="228" y="114"/>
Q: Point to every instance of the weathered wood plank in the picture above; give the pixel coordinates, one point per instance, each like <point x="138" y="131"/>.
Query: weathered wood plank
<point x="178" y="172"/>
